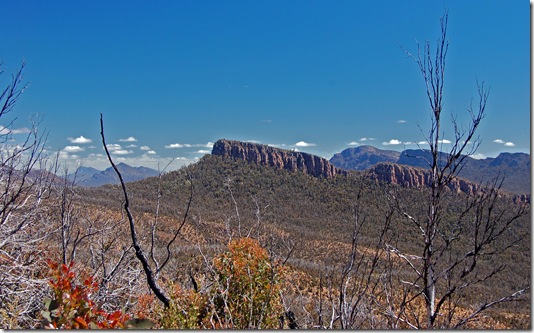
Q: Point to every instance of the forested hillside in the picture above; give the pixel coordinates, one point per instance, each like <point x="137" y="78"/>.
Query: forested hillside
<point x="310" y="222"/>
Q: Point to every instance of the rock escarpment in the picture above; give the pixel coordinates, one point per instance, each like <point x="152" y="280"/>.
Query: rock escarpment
<point x="513" y="168"/>
<point x="413" y="177"/>
<point x="274" y="157"/>
<point x="416" y="178"/>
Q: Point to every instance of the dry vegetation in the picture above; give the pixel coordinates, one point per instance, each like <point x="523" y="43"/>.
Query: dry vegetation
<point x="309" y="222"/>
<point x="305" y="222"/>
<point x="226" y="244"/>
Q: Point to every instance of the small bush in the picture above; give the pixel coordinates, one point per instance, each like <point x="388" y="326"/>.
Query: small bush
<point x="244" y="295"/>
<point x="72" y="307"/>
<point x="249" y="286"/>
<point x="188" y="309"/>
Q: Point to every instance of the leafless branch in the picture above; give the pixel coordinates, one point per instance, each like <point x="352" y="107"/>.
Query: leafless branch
<point x="138" y="251"/>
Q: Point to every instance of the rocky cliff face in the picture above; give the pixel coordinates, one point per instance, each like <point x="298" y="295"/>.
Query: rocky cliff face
<point x="275" y="157"/>
<point x="513" y="167"/>
<point x="416" y="178"/>
<point x="413" y="177"/>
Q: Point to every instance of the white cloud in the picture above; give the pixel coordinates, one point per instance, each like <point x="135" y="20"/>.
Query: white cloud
<point x="151" y="152"/>
<point x="277" y="144"/>
<point x="304" y="144"/>
<point x="66" y="156"/>
<point x="113" y="146"/>
<point x="128" y="139"/>
<point x="131" y="146"/>
<point x="5" y="131"/>
<point x="100" y="161"/>
<point x="367" y="139"/>
<point x="73" y="149"/>
<point x="478" y="156"/>
<point x="444" y="141"/>
<point x="353" y="143"/>
<point x="144" y="148"/>
<point x="507" y="143"/>
<point x="189" y="145"/>
<point x="23" y="130"/>
<point x="392" y="142"/>
<point x="401" y="121"/>
<point x="81" y="140"/>
<point x="203" y="151"/>
<point x="121" y="152"/>
<point x="177" y="145"/>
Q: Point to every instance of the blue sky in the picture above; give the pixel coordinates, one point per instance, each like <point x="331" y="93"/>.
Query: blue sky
<point x="172" y="77"/>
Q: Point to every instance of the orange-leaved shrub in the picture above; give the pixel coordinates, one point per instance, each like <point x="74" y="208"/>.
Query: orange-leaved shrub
<point x="249" y="286"/>
<point x="245" y="293"/>
<point x="72" y="306"/>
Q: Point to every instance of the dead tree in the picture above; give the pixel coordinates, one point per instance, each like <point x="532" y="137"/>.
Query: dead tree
<point x="429" y="266"/>
<point x="22" y="230"/>
<point x="150" y="272"/>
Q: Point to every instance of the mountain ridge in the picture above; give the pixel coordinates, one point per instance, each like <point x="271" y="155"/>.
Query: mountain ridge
<point x="514" y="167"/>
<point x="91" y="177"/>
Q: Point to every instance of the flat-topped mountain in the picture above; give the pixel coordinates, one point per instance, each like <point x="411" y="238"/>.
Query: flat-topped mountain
<point x="275" y="157"/>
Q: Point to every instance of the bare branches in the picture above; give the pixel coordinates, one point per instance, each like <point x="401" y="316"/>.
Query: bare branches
<point x="480" y="216"/>
<point x="138" y="251"/>
<point x="485" y="306"/>
<point x="11" y="94"/>
<point x="177" y="232"/>
<point x="22" y="229"/>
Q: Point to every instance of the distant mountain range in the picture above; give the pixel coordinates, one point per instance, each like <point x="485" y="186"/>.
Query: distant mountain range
<point x="514" y="167"/>
<point x="90" y="177"/>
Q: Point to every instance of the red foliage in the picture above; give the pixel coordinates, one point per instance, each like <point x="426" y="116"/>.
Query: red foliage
<point x="72" y="306"/>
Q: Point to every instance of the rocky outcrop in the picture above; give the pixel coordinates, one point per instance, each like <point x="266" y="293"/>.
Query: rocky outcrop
<point x="513" y="168"/>
<point x="413" y="177"/>
<point x="416" y="178"/>
<point x="274" y="157"/>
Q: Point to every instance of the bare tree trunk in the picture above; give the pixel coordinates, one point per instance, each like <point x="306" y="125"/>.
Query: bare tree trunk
<point x="444" y="167"/>
<point x="152" y="283"/>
